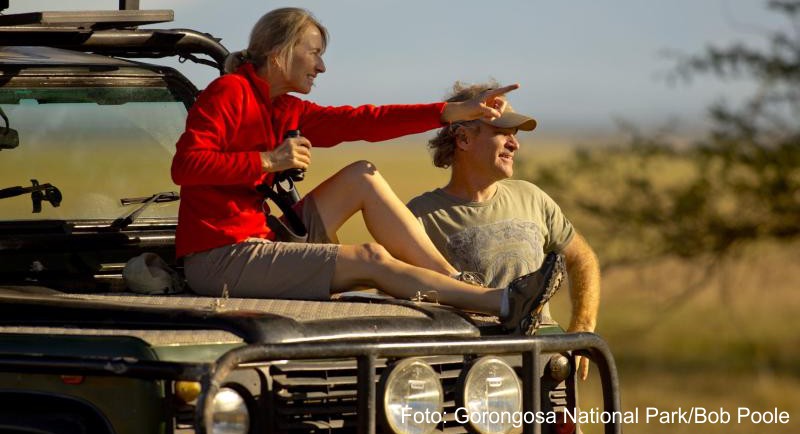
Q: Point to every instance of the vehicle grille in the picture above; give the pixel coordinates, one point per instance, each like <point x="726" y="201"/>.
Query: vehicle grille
<point x="320" y="396"/>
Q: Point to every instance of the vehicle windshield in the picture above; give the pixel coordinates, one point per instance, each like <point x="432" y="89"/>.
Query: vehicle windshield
<point x="95" y="144"/>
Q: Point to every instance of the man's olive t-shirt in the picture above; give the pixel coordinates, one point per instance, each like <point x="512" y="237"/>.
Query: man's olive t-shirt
<point x="502" y="238"/>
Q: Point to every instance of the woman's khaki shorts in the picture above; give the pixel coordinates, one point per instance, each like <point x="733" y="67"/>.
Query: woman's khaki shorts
<point x="258" y="268"/>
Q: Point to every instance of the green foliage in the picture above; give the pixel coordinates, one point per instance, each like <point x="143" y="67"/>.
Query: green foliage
<point x="741" y="182"/>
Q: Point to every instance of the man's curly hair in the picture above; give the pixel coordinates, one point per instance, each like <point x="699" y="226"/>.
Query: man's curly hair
<point x="443" y="146"/>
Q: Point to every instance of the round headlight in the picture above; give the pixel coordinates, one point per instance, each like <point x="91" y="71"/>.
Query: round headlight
<point x="412" y="398"/>
<point x="230" y="413"/>
<point x="492" y="397"/>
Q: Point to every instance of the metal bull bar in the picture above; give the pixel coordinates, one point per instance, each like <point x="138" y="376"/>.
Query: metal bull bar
<point x="367" y="353"/>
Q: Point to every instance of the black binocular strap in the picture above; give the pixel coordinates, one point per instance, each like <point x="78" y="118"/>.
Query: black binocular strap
<point x="295" y="222"/>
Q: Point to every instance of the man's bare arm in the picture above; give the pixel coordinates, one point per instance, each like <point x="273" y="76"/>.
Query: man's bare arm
<point x="584" y="277"/>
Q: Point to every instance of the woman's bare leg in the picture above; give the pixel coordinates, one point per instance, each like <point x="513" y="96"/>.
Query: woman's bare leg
<point x="371" y="264"/>
<point x="360" y="187"/>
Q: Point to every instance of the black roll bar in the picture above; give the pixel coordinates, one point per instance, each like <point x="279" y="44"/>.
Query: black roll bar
<point x="587" y="344"/>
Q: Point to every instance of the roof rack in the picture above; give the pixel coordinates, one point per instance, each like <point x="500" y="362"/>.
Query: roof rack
<point x="95" y="20"/>
<point x="123" y="4"/>
<point x="111" y="33"/>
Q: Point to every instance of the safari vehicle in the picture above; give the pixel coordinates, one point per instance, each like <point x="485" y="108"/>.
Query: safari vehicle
<point x="88" y="136"/>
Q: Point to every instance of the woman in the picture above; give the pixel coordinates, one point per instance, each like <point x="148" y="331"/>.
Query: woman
<point x="234" y="141"/>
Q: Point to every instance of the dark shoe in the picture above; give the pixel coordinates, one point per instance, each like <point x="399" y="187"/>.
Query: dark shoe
<point x="528" y="294"/>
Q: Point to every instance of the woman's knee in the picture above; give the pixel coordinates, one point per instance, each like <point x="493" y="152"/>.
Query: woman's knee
<point x="362" y="167"/>
<point x="374" y="253"/>
<point x="361" y="171"/>
<point x="362" y="264"/>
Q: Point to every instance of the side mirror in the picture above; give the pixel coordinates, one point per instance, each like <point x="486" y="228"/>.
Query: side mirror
<point x="9" y="138"/>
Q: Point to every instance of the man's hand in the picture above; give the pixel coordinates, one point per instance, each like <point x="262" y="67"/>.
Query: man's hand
<point x="581" y="363"/>
<point x="488" y="105"/>
<point x="293" y="153"/>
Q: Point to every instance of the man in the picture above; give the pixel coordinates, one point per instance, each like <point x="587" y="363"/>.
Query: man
<point x="484" y="222"/>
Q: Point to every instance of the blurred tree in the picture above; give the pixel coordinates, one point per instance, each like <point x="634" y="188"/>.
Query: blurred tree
<point x="741" y="182"/>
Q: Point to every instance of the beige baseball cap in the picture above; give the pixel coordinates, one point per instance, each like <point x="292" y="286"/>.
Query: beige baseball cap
<point x="512" y="119"/>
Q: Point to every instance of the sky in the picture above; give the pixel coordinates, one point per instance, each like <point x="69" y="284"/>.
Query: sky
<point x="583" y="65"/>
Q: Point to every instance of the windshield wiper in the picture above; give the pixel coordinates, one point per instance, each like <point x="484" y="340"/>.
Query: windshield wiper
<point x="124" y="221"/>
<point x="38" y="193"/>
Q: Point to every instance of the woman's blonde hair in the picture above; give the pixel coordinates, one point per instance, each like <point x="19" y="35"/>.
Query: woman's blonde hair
<point x="277" y="32"/>
<point x="443" y="145"/>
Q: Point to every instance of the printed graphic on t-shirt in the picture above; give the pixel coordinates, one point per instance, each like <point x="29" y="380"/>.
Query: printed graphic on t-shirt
<point x="500" y="251"/>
